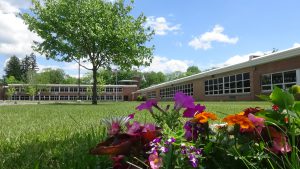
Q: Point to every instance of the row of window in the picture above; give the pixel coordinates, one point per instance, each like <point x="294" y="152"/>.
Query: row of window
<point x="169" y="92"/>
<point x="107" y="98"/>
<point x="72" y="89"/>
<point x="151" y="95"/>
<point x="238" y="83"/>
<point x="282" y="80"/>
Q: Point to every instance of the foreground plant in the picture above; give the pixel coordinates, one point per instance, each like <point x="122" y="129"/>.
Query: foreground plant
<point x="187" y="136"/>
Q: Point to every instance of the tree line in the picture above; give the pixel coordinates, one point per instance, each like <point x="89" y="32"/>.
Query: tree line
<point x="25" y="71"/>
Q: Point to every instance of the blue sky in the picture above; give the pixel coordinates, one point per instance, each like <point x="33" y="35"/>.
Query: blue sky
<point x="202" y="33"/>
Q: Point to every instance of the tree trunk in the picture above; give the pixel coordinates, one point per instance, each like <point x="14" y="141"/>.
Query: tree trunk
<point x="94" y="99"/>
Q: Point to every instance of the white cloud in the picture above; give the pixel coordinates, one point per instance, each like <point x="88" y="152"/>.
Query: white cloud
<point x="161" y="26"/>
<point x="165" y="65"/>
<point x="23" y="4"/>
<point x="204" y="41"/>
<point x="15" y="38"/>
<point x="296" y="45"/>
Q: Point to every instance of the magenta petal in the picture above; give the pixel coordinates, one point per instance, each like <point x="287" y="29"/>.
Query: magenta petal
<point x="182" y="100"/>
<point x="189" y="113"/>
<point x="147" y="105"/>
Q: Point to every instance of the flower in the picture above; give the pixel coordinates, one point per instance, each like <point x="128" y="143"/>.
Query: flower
<point x="155" y="161"/>
<point x="131" y="116"/>
<point x="114" y="129"/>
<point x="193" y="160"/>
<point x="134" y="128"/>
<point x="257" y="121"/>
<point x="149" y="127"/>
<point x="279" y="142"/>
<point x="182" y="100"/>
<point x="147" y="105"/>
<point x="204" y="116"/>
<point x="280" y="145"/>
<point x="275" y="107"/>
<point x="170" y="141"/>
<point x="191" y="131"/>
<point x="251" y="110"/>
<point x="164" y="149"/>
<point x="241" y="120"/>
<point x="190" y="112"/>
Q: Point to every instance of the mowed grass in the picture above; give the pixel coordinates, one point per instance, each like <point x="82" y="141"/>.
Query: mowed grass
<point x="60" y="135"/>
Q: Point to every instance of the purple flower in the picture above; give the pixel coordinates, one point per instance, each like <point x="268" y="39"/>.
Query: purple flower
<point x="157" y="140"/>
<point x="147" y="105"/>
<point x="198" y="151"/>
<point x="149" y="127"/>
<point x="131" y="116"/>
<point x="164" y="149"/>
<point x="181" y="100"/>
<point x="191" y="131"/>
<point x="170" y="141"/>
<point x="134" y="128"/>
<point x="191" y="112"/>
<point x="193" y="160"/>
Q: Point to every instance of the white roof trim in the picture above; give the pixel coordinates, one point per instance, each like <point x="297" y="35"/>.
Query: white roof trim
<point x="284" y="54"/>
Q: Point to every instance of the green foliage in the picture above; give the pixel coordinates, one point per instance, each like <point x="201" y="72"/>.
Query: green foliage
<point x="95" y="31"/>
<point x="152" y="78"/>
<point x="13" y="68"/>
<point x="12" y="80"/>
<point x="282" y="98"/>
<point x="28" y="64"/>
<point x="51" y="76"/>
<point x="10" y="91"/>
<point x="192" y="70"/>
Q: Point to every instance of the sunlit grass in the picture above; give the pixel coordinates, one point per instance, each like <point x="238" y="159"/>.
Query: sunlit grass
<point x="60" y="135"/>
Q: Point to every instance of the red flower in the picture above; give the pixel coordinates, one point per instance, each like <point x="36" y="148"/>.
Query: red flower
<point x="275" y="107"/>
<point x="251" y="110"/>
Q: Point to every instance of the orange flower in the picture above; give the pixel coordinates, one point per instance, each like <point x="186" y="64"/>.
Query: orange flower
<point x="241" y="120"/>
<point x="204" y="116"/>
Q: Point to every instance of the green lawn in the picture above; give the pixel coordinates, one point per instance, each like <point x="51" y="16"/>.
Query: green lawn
<point x="60" y="135"/>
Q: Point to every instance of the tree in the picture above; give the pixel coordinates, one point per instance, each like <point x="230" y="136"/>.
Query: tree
<point x="152" y="78"/>
<point x="51" y="76"/>
<point x="70" y="80"/>
<point x="28" y="64"/>
<point x="10" y="92"/>
<point x="13" y="68"/>
<point x="175" y="75"/>
<point x="96" y="31"/>
<point x="11" y="80"/>
<point x="192" y="70"/>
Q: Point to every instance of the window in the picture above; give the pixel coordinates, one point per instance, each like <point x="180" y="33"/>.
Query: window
<point x="109" y="90"/>
<point x="169" y="92"/>
<point x="282" y="80"/>
<point x="238" y="83"/>
<point x="151" y="95"/>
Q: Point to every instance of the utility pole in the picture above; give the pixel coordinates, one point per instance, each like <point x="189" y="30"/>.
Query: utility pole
<point x="79" y="80"/>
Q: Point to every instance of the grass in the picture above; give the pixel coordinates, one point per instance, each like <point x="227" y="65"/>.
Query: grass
<point x="60" y="135"/>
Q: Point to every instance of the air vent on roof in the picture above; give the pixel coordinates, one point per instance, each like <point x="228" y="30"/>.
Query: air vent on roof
<point x="251" y="57"/>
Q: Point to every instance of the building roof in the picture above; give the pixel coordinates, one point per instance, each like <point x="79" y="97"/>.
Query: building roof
<point x="280" y="55"/>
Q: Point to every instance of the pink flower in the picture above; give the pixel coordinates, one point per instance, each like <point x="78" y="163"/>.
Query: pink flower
<point x="131" y="116"/>
<point x="147" y="105"/>
<point x="134" y="128"/>
<point x="258" y="122"/>
<point x="280" y="145"/>
<point x="149" y="127"/>
<point x="190" y="112"/>
<point x="155" y="161"/>
<point x="182" y="100"/>
<point x="114" y="129"/>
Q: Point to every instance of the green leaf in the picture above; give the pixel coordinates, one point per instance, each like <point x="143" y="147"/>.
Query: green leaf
<point x="282" y="98"/>
<point x="263" y="97"/>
